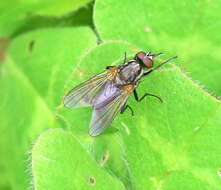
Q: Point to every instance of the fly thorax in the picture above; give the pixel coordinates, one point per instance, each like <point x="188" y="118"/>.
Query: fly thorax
<point x="130" y="72"/>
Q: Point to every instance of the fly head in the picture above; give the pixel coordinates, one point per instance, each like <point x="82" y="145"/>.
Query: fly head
<point x="146" y="59"/>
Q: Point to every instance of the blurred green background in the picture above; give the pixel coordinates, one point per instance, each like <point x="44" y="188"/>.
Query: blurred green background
<point x="49" y="46"/>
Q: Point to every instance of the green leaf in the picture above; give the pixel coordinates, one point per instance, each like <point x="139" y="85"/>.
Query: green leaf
<point x="68" y="166"/>
<point x="58" y="8"/>
<point x="48" y="56"/>
<point x="15" y="14"/>
<point x="32" y="81"/>
<point x="162" y="143"/>
<point x="81" y="17"/>
<point x="187" y="29"/>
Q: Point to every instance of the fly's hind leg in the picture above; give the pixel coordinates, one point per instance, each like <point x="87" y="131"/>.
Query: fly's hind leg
<point x="146" y="94"/>
<point x="124" y="107"/>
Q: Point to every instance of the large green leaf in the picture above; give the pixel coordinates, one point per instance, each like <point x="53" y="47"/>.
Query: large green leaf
<point x="189" y="29"/>
<point x="15" y="14"/>
<point x="174" y="145"/>
<point x="81" y="17"/>
<point x="47" y="57"/>
<point x="59" y="155"/>
<point x="32" y="81"/>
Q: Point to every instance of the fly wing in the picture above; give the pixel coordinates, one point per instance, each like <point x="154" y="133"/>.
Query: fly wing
<point x="83" y="94"/>
<point x="105" y="112"/>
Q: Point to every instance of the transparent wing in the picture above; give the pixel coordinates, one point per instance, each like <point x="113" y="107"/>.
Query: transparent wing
<point x="83" y="94"/>
<point x="105" y="112"/>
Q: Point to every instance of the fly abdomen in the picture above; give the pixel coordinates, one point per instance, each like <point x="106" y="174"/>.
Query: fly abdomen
<point x="108" y="94"/>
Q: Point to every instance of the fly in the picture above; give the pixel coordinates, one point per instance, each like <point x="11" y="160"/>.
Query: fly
<point x="107" y="92"/>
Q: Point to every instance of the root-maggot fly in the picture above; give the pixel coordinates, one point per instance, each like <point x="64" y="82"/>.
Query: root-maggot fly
<point x="107" y="92"/>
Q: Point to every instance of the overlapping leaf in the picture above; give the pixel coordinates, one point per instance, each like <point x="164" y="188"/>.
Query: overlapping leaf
<point x="189" y="29"/>
<point x="15" y="15"/>
<point x="38" y="63"/>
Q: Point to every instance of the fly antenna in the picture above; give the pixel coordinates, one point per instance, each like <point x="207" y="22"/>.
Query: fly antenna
<point x="158" y="66"/>
<point x="156" y="55"/>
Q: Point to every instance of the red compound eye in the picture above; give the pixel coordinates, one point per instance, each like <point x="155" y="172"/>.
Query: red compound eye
<point x="144" y="58"/>
<point x="140" y="55"/>
<point x="148" y="62"/>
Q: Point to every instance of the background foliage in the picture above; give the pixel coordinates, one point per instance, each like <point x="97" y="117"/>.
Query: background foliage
<point x="48" y="47"/>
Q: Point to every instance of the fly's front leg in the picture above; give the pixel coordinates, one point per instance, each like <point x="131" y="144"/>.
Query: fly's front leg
<point x="148" y="72"/>
<point x="122" y="110"/>
<point x="146" y="94"/>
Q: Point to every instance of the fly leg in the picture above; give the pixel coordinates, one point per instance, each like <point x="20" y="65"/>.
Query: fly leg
<point x="148" y="72"/>
<point x="124" y="107"/>
<point x="108" y="67"/>
<point x="125" y="57"/>
<point x="146" y="94"/>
